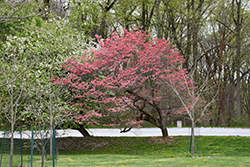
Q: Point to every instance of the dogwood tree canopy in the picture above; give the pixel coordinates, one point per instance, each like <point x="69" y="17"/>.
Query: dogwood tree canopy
<point x="123" y="82"/>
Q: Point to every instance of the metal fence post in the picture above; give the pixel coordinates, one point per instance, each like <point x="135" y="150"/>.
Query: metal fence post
<point x="32" y="144"/>
<point x="2" y="148"/>
<point x="54" y="147"/>
<point x="21" y="138"/>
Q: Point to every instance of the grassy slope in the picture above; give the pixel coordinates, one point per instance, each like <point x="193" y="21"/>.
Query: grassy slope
<point x="143" y="151"/>
<point x="176" y="147"/>
<point x="129" y="151"/>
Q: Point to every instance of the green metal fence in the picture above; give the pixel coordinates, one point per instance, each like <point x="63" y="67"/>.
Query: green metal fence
<point x="5" y="150"/>
<point x="29" y="151"/>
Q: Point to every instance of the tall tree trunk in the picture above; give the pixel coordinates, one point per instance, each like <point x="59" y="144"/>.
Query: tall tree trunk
<point x="222" y="110"/>
<point x="230" y="100"/>
<point x="158" y="27"/>
<point x="238" y="97"/>
<point x="189" y="45"/>
<point x="194" y="28"/>
<point x="103" y="25"/>
<point x="106" y="9"/>
<point x="143" y="15"/>
<point x="221" y="94"/>
<point x="220" y="87"/>
<point x="238" y="23"/>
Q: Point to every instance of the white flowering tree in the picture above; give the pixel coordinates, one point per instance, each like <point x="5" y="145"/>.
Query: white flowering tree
<point x="28" y="62"/>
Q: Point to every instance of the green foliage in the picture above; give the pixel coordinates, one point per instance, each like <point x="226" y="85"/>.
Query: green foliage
<point x="238" y="122"/>
<point x="187" y="154"/>
<point x="37" y="53"/>
<point x="14" y="16"/>
<point x="85" y="17"/>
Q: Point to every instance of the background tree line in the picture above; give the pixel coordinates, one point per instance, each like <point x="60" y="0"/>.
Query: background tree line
<point x="212" y="35"/>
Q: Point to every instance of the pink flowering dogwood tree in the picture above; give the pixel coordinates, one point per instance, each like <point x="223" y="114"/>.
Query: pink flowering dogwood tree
<point x="124" y="81"/>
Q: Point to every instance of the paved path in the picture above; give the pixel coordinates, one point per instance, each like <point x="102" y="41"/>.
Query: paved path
<point x="147" y="132"/>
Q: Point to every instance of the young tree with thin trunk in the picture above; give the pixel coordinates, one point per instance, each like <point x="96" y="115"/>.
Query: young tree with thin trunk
<point x="14" y="66"/>
<point x="45" y="107"/>
<point x="28" y="62"/>
<point x="195" y="97"/>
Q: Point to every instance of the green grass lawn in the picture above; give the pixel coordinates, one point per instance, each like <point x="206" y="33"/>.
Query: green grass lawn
<point x="107" y="160"/>
<point x="149" y="160"/>
<point x="145" y="151"/>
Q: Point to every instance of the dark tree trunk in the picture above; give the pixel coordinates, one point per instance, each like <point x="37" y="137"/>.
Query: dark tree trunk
<point x="238" y="23"/>
<point x="106" y="9"/>
<point x="164" y="132"/>
<point x="83" y="131"/>
<point x="189" y="34"/>
<point x="158" y="25"/>
<point x="143" y="16"/>
<point x="223" y="120"/>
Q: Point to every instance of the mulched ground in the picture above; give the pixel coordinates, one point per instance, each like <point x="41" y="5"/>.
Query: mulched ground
<point x="91" y="143"/>
<point x="81" y="143"/>
<point x="74" y="144"/>
<point x="168" y="140"/>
